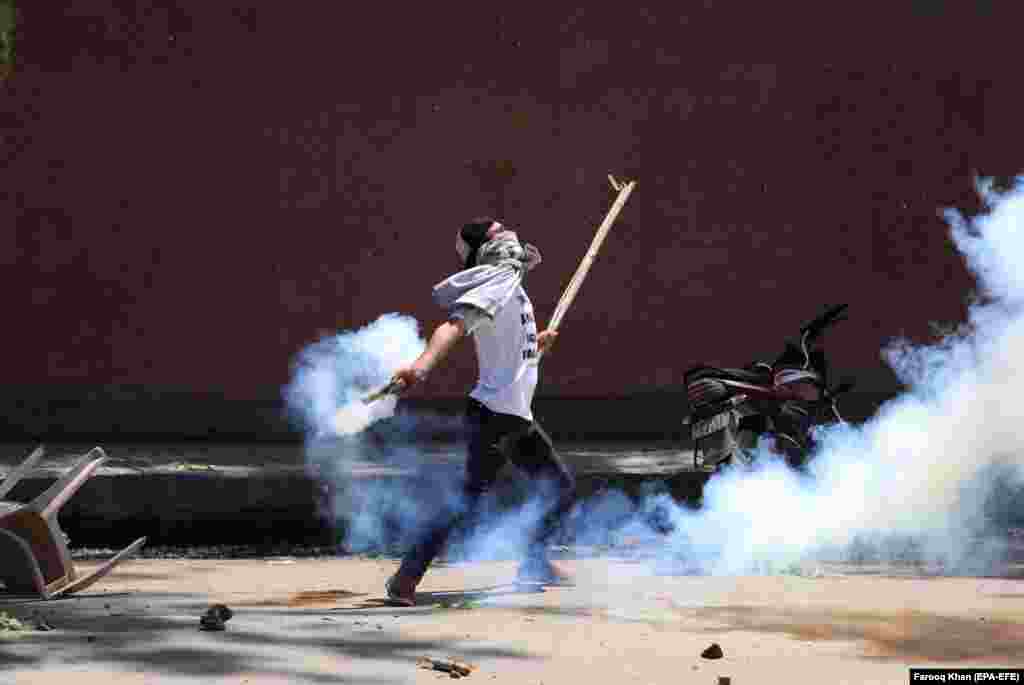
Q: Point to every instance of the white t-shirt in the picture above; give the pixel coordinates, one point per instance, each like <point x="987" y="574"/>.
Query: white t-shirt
<point x="506" y="351"/>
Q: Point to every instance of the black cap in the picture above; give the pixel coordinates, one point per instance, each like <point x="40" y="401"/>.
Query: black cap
<point x="474" y="234"/>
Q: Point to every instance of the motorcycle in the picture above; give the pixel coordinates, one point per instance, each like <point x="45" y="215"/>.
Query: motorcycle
<point x="768" y="404"/>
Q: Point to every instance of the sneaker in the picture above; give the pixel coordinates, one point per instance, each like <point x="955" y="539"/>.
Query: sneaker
<point x="542" y="573"/>
<point x="401" y="591"/>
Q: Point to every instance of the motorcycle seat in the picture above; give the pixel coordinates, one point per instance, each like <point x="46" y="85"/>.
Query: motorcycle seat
<point x="739" y="375"/>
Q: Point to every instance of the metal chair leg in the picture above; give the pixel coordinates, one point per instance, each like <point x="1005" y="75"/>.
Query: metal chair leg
<point x="56" y="496"/>
<point x="20" y="471"/>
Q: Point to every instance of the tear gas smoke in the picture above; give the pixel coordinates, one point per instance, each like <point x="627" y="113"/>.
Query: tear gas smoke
<point x="384" y="480"/>
<point x="364" y="453"/>
<point x="332" y="375"/>
<point x="917" y="481"/>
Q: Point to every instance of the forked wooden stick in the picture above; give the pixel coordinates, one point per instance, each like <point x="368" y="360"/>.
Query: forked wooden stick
<point x="588" y="259"/>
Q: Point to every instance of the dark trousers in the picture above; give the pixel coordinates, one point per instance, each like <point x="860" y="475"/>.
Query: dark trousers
<point x="494" y="439"/>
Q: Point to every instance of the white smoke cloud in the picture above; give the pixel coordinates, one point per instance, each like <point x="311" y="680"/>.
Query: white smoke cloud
<point x="915" y="481"/>
<point x="381" y="485"/>
<point x="918" y="476"/>
<point x="331" y="376"/>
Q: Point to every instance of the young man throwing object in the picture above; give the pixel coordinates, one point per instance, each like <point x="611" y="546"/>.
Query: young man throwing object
<point x="486" y="299"/>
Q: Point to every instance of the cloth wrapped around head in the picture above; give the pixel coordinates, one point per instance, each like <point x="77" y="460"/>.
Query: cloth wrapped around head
<point x="494" y="262"/>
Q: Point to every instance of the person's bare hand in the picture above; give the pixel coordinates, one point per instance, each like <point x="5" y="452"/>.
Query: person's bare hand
<point x="408" y="377"/>
<point x="545" y="340"/>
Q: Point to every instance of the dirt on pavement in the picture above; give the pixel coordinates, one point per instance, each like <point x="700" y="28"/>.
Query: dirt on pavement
<point x="326" y="621"/>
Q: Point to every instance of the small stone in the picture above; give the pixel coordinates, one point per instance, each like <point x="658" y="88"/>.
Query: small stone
<point x="211" y="623"/>
<point x="713" y="652"/>
<point x="215" y="618"/>
<point x="225" y="613"/>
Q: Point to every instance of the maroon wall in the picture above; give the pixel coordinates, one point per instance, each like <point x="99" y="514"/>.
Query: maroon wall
<point x="198" y="191"/>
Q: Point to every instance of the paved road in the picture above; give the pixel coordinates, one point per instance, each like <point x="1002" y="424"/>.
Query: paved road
<point x="324" y="621"/>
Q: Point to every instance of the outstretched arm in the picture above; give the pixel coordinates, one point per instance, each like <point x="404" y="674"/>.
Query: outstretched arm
<point x="441" y="343"/>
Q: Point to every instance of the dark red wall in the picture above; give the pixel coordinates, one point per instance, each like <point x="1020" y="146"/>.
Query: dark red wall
<point x="196" y="192"/>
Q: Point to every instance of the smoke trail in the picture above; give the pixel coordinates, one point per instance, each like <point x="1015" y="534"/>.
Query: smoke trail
<point x="332" y="375"/>
<point x="917" y="479"/>
<point x="364" y="471"/>
<point x="383" y="482"/>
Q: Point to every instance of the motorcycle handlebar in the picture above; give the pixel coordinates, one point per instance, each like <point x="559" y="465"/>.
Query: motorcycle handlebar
<point x="827" y="318"/>
<point x="843" y="388"/>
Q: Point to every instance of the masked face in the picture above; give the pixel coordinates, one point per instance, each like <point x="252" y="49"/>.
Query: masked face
<point x="469" y="239"/>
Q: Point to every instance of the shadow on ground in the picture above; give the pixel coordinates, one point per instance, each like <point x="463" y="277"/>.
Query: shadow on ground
<point x="159" y="633"/>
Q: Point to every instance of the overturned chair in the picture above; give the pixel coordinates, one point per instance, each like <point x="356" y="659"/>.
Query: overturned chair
<point x="34" y="557"/>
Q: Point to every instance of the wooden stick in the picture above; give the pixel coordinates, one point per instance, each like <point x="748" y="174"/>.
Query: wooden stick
<point x="449" y="665"/>
<point x="623" y="189"/>
<point x="588" y="259"/>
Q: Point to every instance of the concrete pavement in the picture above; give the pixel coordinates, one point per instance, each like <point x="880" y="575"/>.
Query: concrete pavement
<point x="324" y="621"/>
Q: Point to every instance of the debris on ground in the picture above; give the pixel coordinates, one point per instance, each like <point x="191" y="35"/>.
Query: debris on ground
<point x="211" y="623"/>
<point x="38" y="622"/>
<point x="464" y="604"/>
<point x="215" y="617"/>
<point x="186" y="466"/>
<point x="9" y="624"/>
<point x="713" y="652"/>
<point x="455" y="668"/>
<point x="41" y="625"/>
